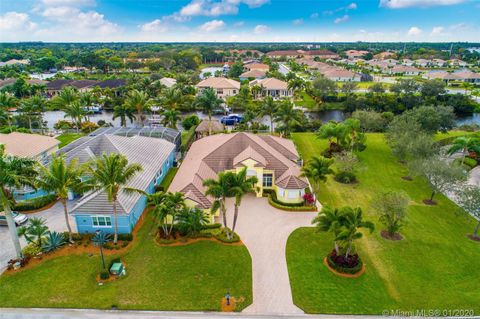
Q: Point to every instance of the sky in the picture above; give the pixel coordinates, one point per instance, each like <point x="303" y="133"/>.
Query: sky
<point x="239" y="20"/>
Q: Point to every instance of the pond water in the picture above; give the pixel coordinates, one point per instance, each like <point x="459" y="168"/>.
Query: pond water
<point x="326" y="116"/>
<point x="473" y="119"/>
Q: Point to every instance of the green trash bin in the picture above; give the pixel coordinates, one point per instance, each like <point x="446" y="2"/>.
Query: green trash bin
<point x="116" y="269"/>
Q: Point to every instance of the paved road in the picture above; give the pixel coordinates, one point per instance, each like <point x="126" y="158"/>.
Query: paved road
<point x="105" y="314"/>
<point x="55" y="221"/>
<point x="265" y="231"/>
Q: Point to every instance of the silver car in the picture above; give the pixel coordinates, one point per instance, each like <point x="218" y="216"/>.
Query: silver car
<point x="17" y="217"/>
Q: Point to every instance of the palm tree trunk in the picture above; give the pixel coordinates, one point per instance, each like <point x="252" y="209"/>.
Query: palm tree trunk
<point x="12" y="228"/>
<point x="224" y="215"/>
<point x="115" y="223"/>
<point x="235" y="216"/>
<point x="337" y="250"/>
<point x="65" y="211"/>
<point x="431" y="196"/>
<point x="209" y="123"/>
<point x="465" y="150"/>
<point x="271" y="124"/>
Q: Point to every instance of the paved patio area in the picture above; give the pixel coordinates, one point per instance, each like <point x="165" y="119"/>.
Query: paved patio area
<point x="265" y="230"/>
<point x="55" y="222"/>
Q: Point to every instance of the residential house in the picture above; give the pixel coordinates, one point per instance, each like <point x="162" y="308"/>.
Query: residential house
<point x="459" y="76"/>
<point x="283" y="54"/>
<point x="94" y="211"/>
<point x="384" y="55"/>
<point x="457" y="63"/>
<point x="355" y="53"/>
<point x="255" y="74"/>
<point x="223" y="87"/>
<point x="115" y="85"/>
<point x="15" y="62"/>
<point x="422" y="63"/>
<point x="403" y="70"/>
<point x="321" y="54"/>
<point x="271" y="87"/>
<point x="408" y="62"/>
<point x="256" y="66"/>
<point x="273" y="160"/>
<point x="439" y="63"/>
<point x="341" y="75"/>
<point x="168" y="82"/>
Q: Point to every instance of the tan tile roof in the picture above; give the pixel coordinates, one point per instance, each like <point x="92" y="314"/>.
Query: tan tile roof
<point x="270" y="84"/>
<point x="255" y="73"/>
<point x="216" y="153"/>
<point x="219" y="83"/>
<point x="27" y="145"/>
<point x="257" y="66"/>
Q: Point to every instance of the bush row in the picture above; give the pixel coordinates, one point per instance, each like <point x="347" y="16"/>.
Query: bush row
<point x="187" y="139"/>
<point x="292" y="207"/>
<point x="35" y="203"/>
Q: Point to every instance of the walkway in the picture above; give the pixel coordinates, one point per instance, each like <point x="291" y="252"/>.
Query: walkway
<point x="265" y="231"/>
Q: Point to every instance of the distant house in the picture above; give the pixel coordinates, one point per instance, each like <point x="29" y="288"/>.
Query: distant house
<point x="83" y="85"/>
<point x="168" y="82"/>
<point x="55" y="86"/>
<point x="256" y="66"/>
<point x="384" y="55"/>
<point x="223" y="87"/>
<point x="439" y="62"/>
<point x="33" y="146"/>
<point x="355" y="53"/>
<point x="14" y="62"/>
<point x="271" y="87"/>
<point x="283" y="54"/>
<point x="206" y="126"/>
<point x="403" y="70"/>
<point x="457" y="63"/>
<point x="322" y="54"/>
<point x="408" y="62"/>
<point x="255" y="73"/>
<point x="274" y="161"/>
<point x="114" y="84"/>
<point x="342" y="75"/>
<point x="94" y="212"/>
<point x="460" y="76"/>
<point x="422" y="62"/>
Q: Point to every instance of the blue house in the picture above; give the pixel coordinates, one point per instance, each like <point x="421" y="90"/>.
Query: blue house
<point x="94" y="212"/>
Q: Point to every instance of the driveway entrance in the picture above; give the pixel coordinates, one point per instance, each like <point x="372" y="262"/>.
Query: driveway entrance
<point x="265" y="230"/>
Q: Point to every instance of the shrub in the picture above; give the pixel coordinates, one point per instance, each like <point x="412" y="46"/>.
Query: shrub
<point x="187" y="139"/>
<point x="345" y="177"/>
<point x="470" y="162"/>
<point x="127" y="237"/>
<point x="190" y="121"/>
<point x="63" y="125"/>
<point x="31" y="250"/>
<point x="223" y="237"/>
<point x="351" y="265"/>
<point x="292" y="207"/>
<point x="88" y="127"/>
<point x="104" y="275"/>
<point x="35" y="203"/>
<point x="212" y="226"/>
<point x="53" y="242"/>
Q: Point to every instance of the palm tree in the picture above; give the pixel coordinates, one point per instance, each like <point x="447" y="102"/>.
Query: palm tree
<point x="171" y="98"/>
<point x="295" y="84"/>
<point x="173" y="204"/>
<point x="156" y="201"/>
<point x="32" y="107"/>
<point x="287" y="115"/>
<point x="124" y="112"/>
<point x="67" y="96"/>
<point x="35" y="231"/>
<point x="329" y="220"/>
<point x="170" y="118"/>
<point x="219" y="189"/>
<point x="14" y="172"/>
<point x="208" y="102"/>
<point x="191" y="221"/>
<point x="76" y="112"/>
<point x="352" y="220"/>
<point x="60" y="178"/>
<point x="240" y="185"/>
<point x="7" y="102"/>
<point x="110" y="174"/>
<point x="465" y="145"/>
<point x="317" y="170"/>
<point x="140" y="102"/>
<point x="268" y="108"/>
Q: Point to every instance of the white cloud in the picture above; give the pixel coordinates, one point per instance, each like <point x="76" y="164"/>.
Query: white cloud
<point x="297" y="21"/>
<point x="156" y="25"/>
<point x="352" y="6"/>
<point x="16" y="21"/>
<point x="261" y="28"/>
<point x="239" y="24"/>
<point x="60" y="13"/>
<point x="400" y="4"/>
<point x="314" y="15"/>
<point x="437" y="31"/>
<point x="94" y="21"/>
<point x="217" y="8"/>
<point x="75" y="3"/>
<point x="414" y="31"/>
<point x="345" y="18"/>
<point x="214" y="25"/>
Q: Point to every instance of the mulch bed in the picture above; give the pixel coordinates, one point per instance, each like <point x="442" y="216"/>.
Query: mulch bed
<point x="474" y="238"/>
<point x="183" y="241"/>
<point x="429" y="202"/>
<point x="358" y="274"/>
<point x="395" y="236"/>
<point x="228" y="308"/>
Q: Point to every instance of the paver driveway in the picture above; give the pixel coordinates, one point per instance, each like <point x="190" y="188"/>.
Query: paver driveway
<point x="265" y="230"/>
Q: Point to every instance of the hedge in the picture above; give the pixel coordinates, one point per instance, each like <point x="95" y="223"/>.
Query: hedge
<point x="187" y="139"/>
<point x="292" y="207"/>
<point x="35" y="203"/>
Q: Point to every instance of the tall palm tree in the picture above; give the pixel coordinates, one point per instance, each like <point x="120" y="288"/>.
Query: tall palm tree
<point x="208" y="102"/>
<point x="7" y="102"/>
<point x="288" y="116"/>
<point x="66" y="96"/>
<point x="76" y="112"/>
<point x="171" y="98"/>
<point x="60" y="178"/>
<point x="268" y="108"/>
<point x="33" y="106"/>
<point x="219" y="189"/>
<point x="124" y="112"/>
<point x="110" y="174"/>
<point x="465" y="145"/>
<point x="317" y="170"/>
<point x="240" y="185"/>
<point x="329" y="220"/>
<point x="352" y="220"/>
<point x="14" y="172"/>
<point x="170" y="118"/>
<point x="140" y="102"/>
<point x="191" y="220"/>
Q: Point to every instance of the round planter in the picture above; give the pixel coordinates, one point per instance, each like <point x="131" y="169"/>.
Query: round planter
<point x="358" y="274"/>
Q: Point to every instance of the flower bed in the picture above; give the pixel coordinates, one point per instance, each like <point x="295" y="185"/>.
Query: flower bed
<point x="351" y="265"/>
<point x="291" y="207"/>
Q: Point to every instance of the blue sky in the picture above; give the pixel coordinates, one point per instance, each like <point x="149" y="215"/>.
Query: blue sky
<point x="239" y="20"/>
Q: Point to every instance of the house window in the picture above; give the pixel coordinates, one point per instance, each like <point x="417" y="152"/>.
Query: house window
<point x="267" y="180"/>
<point x="293" y="193"/>
<point x="101" y="221"/>
<point x="220" y="91"/>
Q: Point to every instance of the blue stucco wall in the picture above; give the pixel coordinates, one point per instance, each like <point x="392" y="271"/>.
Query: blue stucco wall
<point x="126" y="223"/>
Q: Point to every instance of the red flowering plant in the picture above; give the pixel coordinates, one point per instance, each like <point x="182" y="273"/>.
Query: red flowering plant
<point x="308" y="198"/>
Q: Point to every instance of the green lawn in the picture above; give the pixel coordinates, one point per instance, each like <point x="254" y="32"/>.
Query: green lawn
<point x="169" y="178"/>
<point x="67" y="138"/>
<point x="191" y="277"/>
<point x="434" y="267"/>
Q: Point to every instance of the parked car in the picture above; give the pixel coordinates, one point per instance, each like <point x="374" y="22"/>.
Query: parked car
<point x="231" y="119"/>
<point x="17" y="217"/>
